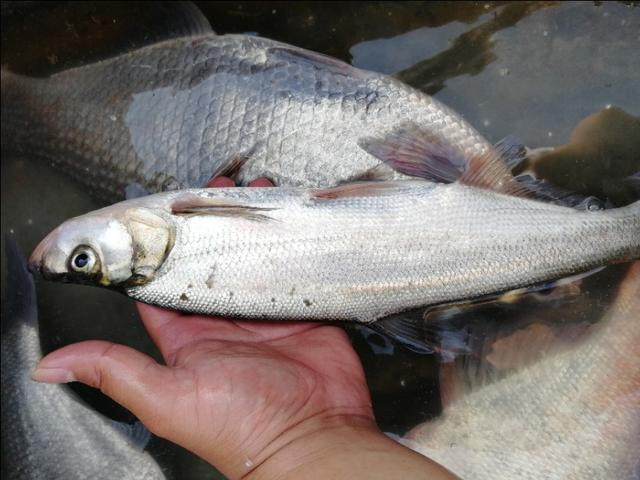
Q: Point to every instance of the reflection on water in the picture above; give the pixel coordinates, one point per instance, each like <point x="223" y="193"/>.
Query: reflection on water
<point x="600" y="156"/>
<point x="469" y="53"/>
<point x="536" y="70"/>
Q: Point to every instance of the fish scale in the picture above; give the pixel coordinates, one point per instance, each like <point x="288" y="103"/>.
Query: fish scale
<point x="171" y="114"/>
<point x="365" y="258"/>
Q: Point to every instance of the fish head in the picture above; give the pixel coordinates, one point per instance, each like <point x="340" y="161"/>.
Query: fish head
<point x="118" y="246"/>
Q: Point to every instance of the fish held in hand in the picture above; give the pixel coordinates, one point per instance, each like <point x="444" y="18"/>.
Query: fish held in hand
<point x="358" y="252"/>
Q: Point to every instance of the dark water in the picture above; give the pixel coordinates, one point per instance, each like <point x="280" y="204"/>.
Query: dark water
<point x="533" y="70"/>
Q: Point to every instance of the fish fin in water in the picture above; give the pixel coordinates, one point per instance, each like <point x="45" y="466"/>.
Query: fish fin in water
<point x="467" y="327"/>
<point x="553" y="194"/>
<point x="177" y="19"/>
<point x="189" y="204"/>
<point x="135" y="433"/>
<point x="416" y="151"/>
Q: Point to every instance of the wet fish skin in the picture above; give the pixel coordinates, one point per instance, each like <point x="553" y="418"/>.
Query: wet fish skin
<point x="353" y="253"/>
<point x="46" y="433"/>
<point x="171" y="114"/>
<point x="571" y="416"/>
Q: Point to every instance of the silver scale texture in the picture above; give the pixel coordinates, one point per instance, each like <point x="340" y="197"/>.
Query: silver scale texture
<point x="362" y="258"/>
<point x="168" y="115"/>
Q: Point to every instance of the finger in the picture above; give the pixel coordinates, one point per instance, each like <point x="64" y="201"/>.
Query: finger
<point x="261" y="182"/>
<point x="132" y="379"/>
<point x="221" y="182"/>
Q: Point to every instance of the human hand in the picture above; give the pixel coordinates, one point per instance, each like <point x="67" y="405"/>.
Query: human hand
<point x="252" y="398"/>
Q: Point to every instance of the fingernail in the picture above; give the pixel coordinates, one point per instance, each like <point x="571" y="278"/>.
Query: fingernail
<point x="53" y="375"/>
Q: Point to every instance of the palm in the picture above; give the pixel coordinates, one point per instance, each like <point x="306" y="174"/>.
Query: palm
<point x="249" y="382"/>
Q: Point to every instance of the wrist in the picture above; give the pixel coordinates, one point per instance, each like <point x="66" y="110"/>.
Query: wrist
<point x="343" y="446"/>
<point x="314" y="441"/>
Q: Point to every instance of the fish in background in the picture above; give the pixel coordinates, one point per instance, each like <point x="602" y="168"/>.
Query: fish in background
<point x="572" y="415"/>
<point x="175" y="113"/>
<point x="46" y="432"/>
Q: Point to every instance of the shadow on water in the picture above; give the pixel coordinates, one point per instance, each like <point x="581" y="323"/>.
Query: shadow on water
<point x="602" y="153"/>
<point x="470" y="52"/>
<point x="521" y="68"/>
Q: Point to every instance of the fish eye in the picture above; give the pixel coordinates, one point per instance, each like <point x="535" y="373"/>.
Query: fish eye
<point x="83" y="260"/>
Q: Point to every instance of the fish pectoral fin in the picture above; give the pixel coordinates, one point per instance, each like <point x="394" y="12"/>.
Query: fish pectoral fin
<point x="189" y="204"/>
<point x="408" y="329"/>
<point x="416" y="151"/>
<point x="232" y="166"/>
<point x="135" y="433"/>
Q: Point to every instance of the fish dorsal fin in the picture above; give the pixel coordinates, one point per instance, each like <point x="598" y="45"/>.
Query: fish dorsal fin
<point x="358" y="189"/>
<point x="320" y="61"/>
<point x="176" y="19"/>
<point x="190" y="204"/>
<point x="418" y="152"/>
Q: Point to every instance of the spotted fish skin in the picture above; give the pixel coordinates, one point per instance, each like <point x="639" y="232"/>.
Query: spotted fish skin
<point x="171" y="114"/>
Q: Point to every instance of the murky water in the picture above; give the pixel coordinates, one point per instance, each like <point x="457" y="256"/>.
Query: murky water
<point x="533" y="70"/>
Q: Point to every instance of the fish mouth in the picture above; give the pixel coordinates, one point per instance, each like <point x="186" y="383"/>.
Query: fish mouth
<point x="36" y="261"/>
<point x="34" y="265"/>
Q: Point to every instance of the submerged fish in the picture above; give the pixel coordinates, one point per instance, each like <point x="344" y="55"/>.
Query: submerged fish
<point x="572" y="415"/>
<point x="173" y="114"/>
<point x="358" y="252"/>
<point x="46" y="433"/>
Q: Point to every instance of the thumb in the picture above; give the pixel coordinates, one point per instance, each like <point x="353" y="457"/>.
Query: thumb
<point x="129" y="377"/>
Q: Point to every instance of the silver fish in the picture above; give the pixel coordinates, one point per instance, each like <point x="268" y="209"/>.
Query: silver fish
<point x="357" y="252"/>
<point x="46" y="433"/>
<point x="173" y="114"/>
<point x="572" y="415"/>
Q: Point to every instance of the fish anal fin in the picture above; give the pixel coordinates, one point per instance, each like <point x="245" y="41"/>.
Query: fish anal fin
<point x="190" y="204"/>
